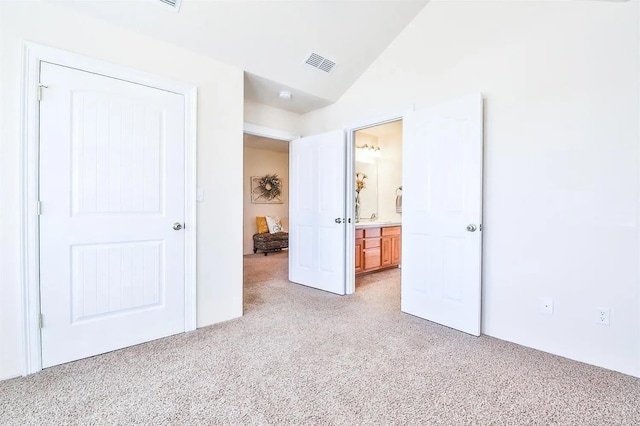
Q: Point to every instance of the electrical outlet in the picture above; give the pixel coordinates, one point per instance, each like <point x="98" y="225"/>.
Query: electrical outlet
<point x="546" y="305"/>
<point x="603" y="316"/>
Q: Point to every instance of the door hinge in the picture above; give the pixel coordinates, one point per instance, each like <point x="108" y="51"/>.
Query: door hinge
<point x="40" y="87"/>
<point x="38" y="207"/>
<point x="41" y="321"/>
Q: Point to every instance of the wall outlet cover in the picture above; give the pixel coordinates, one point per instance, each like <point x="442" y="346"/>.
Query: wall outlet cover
<point x="602" y="316"/>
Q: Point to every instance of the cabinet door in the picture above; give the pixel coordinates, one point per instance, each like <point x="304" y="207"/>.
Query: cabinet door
<point x="396" y="246"/>
<point x="372" y="258"/>
<point x="385" y="259"/>
<point x="358" y="256"/>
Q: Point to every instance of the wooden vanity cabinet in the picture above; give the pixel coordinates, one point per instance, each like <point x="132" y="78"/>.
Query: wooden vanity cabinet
<point x="391" y="245"/>
<point x="359" y="243"/>
<point x="371" y="249"/>
<point x="396" y="250"/>
<point x="377" y="248"/>
<point x="385" y="251"/>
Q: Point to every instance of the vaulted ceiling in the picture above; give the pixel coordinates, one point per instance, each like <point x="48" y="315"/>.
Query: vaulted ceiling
<point x="271" y="39"/>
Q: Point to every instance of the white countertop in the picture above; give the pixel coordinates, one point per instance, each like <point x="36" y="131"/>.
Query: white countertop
<point x="376" y="224"/>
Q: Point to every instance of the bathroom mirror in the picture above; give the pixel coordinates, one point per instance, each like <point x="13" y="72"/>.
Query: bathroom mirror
<point x="369" y="194"/>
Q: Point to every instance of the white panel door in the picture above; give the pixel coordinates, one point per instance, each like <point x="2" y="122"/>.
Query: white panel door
<point x="317" y="211"/>
<point x="111" y="188"/>
<point x="442" y="214"/>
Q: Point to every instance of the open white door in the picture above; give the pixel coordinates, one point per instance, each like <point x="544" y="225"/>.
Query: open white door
<point x="317" y="211"/>
<point x="442" y="214"/>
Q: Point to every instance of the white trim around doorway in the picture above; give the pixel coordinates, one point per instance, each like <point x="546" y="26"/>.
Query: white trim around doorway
<point x="33" y="55"/>
<point x="267" y="132"/>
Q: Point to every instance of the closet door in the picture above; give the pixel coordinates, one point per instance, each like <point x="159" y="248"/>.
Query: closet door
<point x="112" y="191"/>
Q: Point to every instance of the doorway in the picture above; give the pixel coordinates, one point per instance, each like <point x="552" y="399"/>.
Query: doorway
<point x="266" y="189"/>
<point x="441" y="234"/>
<point x="265" y="212"/>
<point x="378" y="201"/>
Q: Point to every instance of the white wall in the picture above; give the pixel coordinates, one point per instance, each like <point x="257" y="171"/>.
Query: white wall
<point x="389" y="175"/>
<point x="271" y="117"/>
<point x="259" y="162"/>
<point x="220" y="121"/>
<point x="560" y="82"/>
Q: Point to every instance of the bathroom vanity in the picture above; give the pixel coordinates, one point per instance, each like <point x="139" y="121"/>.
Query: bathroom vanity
<point x="378" y="246"/>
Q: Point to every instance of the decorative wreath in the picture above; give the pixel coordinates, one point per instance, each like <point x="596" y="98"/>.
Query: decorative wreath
<point x="269" y="186"/>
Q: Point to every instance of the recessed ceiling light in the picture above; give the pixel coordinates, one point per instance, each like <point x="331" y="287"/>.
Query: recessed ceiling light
<point x="284" y="95"/>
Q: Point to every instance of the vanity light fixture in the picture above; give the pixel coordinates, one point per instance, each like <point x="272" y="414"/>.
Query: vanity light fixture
<point x="369" y="150"/>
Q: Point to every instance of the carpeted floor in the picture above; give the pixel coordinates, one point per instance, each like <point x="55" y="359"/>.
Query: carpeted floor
<point x="304" y="357"/>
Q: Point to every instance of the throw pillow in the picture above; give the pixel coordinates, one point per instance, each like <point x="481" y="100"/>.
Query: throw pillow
<point x="274" y="224"/>
<point x="263" y="228"/>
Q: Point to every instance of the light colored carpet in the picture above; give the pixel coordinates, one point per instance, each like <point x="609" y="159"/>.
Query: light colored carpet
<point x="305" y="357"/>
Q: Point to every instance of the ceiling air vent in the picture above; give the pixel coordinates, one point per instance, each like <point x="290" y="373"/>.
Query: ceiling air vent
<point x="320" y="62"/>
<point x="174" y="4"/>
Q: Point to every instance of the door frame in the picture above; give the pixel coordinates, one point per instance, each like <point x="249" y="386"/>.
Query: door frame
<point x="33" y="54"/>
<point x="267" y="132"/>
<point x="350" y="279"/>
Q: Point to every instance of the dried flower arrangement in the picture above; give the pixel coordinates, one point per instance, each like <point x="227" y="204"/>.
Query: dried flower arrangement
<point x="360" y="184"/>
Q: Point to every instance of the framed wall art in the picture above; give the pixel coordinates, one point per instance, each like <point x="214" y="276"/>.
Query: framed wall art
<point x="266" y="189"/>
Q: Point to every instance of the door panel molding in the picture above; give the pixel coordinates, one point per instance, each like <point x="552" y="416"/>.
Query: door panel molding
<point x="33" y="55"/>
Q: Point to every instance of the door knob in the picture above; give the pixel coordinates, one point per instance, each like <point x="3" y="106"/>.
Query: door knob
<point x="471" y="228"/>
<point x="338" y="220"/>
<point x="177" y="226"/>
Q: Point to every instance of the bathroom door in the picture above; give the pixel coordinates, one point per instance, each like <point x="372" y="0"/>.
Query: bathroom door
<point x="317" y="207"/>
<point x="442" y="214"/>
